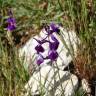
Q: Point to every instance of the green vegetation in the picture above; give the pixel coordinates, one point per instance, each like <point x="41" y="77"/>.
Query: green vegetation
<point x="31" y="15"/>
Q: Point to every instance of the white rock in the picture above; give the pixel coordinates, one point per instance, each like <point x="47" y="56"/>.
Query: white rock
<point x="69" y="86"/>
<point x="52" y="81"/>
<point x="68" y="37"/>
<point x="85" y="86"/>
<point x="52" y="86"/>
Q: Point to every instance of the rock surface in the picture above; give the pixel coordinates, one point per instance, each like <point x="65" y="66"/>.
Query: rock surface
<point x="51" y="78"/>
<point x="68" y="37"/>
<point x="53" y="82"/>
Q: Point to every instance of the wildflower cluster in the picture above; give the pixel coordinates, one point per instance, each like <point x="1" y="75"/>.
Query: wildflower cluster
<point x="53" y="44"/>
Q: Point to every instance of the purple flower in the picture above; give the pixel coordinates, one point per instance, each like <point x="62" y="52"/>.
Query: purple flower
<point x="40" y="60"/>
<point x="53" y="45"/>
<point x="53" y="55"/>
<point x="39" y="48"/>
<point x="54" y="38"/>
<point x="48" y="31"/>
<point x="11" y="24"/>
<point x="54" y="27"/>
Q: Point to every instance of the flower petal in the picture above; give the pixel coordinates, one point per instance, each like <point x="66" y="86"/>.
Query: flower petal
<point x="11" y="24"/>
<point x="53" y="55"/>
<point x="54" y="45"/>
<point x="39" y="48"/>
<point x="54" y="38"/>
<point x="40" y="60"/>
<point x="54" y="27"/>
